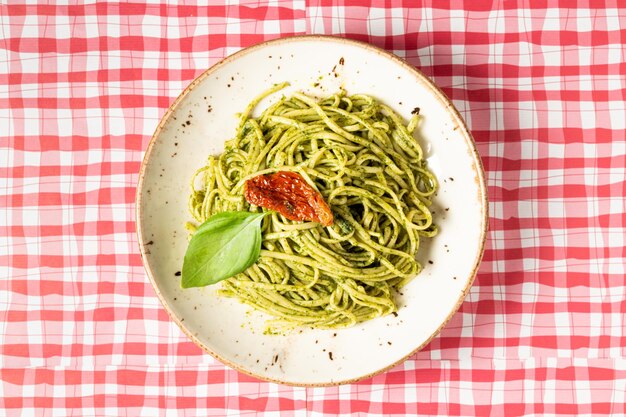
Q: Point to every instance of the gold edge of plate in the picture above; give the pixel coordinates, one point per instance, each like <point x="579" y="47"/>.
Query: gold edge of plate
<point x="450" y="108"/>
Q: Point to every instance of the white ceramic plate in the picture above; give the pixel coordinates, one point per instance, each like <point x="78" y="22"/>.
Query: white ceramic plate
<point x="199" y="122"/>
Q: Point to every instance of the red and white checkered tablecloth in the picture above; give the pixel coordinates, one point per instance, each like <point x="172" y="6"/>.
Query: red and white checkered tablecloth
<point x="543" y="89"/>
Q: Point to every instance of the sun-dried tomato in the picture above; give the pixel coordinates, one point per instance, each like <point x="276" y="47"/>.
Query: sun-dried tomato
<point x="290" y="195"/>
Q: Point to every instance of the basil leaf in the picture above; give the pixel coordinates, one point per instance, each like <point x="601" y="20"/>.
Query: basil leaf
<point x="223" y="246"/>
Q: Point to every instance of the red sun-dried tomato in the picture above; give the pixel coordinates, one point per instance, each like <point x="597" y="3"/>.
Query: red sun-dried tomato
<point x="289" y="194"/>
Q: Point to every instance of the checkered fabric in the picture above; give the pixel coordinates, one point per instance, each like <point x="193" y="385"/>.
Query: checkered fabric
<point x="543" y="89"/>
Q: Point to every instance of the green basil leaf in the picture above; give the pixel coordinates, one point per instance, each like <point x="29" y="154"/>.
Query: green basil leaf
<point x="223" y="246"/>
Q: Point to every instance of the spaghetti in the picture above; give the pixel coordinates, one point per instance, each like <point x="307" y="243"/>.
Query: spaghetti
<point x="365" y="162"/>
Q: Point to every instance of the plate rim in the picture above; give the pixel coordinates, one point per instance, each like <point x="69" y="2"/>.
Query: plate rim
<point x="420" y="77"/>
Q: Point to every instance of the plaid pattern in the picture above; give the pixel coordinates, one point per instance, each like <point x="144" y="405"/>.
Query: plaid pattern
<point x="543" y="88"/>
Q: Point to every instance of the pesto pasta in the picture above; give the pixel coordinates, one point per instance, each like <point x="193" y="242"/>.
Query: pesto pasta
<point x="363" y="159"/>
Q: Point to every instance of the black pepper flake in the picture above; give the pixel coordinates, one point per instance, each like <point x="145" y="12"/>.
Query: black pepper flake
<point x="447" y="208"/>
<point x="453" y="277"/>
<point x="334" y="334"/>
<point x="395" y="314"/>
<point x="316" y="342"/>
<point x="275" y="359"/>
<point x="232" y="78"/>
<point x="451" y="179"/>
<point x="174" y="154"/>
<point x="175" y="143"/>
<point x="330" y="355"/>
<point x="175" y="298"/>
<point x="257" y="361"/>
<point x="188" y="122"/>
<point x="416" y="111"/>
<point x="430" y="262"/>
<point x="183" y="319"/>
<point x="210" y="109"/>
<point x="228" y="85"/>
<point x="400" y="103"/>
<point x="389" y="343"/>
<point x="342" y="61"/>
<point x="151" y="242"/>
<point x="205" y="97"/>
<point x="182" y="124"/>
<point x="195" y="307"/>
<point x="178" y="273"/>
